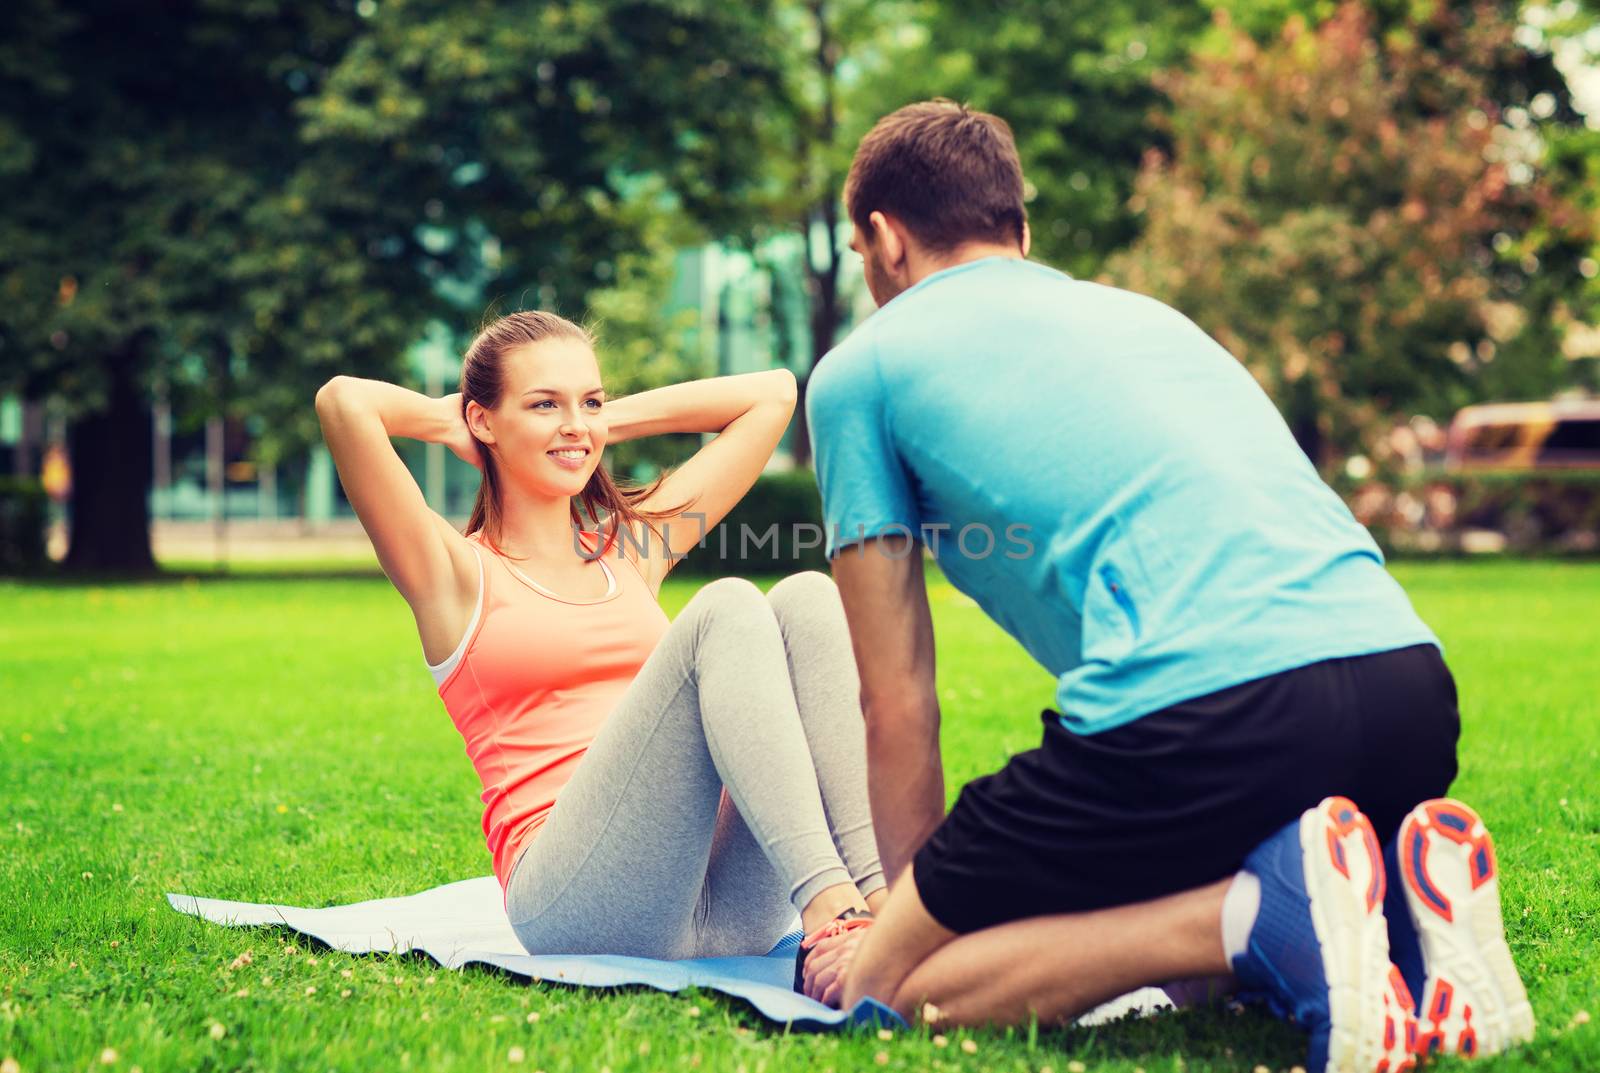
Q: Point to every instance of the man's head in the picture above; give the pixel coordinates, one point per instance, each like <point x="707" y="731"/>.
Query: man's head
<point x="932" y="184"/>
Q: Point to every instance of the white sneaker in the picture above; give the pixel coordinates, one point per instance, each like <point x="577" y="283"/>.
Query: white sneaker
<point x="1470" y="1000"/>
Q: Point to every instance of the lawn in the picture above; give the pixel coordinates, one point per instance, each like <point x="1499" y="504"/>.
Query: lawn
<point x="268" y="739"/>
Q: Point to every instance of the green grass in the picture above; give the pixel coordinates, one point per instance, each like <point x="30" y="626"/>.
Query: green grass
<point x="268" y="739"/>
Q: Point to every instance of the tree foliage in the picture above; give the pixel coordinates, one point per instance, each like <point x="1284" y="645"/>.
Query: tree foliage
<point x="1075" y="79"/>
<point x="230" y="202"/>
<point x="143" y="145"/>
<point x="831" y="50"/>
<point x="1352" y="217"/>
<point x="239" y="200"/>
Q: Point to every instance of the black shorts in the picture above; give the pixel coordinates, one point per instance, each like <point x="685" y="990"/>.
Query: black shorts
<point x="1178" y="798"/>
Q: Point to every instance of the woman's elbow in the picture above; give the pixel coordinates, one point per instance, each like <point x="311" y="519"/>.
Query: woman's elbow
<point x="785" y="388"/>
<point x="328" y="394"/>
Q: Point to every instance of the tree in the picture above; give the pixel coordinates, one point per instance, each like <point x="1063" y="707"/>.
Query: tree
<point x="244" y="199"/>
<point x="818" y="149"/>
<point x="138" y="142"/>
<point x="557" y="154"/>
<point x="1075" y="79"/>
<point x="832" y="45"/>
<point x="1079" y="82"/>
<point x="1351" y="217"/>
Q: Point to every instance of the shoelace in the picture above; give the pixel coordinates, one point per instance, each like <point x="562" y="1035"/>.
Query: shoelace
<point x="835" y="927"/>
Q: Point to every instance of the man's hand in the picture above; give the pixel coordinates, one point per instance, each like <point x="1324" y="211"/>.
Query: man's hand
<point x="904" y="936"/>
<point x="828" y="963"/>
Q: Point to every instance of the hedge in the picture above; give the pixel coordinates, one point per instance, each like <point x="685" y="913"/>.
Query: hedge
<point x="24" y="511"/>
<point x="775" y="529"/>
<point x="1535" y="511"/>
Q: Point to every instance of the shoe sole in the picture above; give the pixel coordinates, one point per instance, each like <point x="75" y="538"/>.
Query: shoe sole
<point x="1372" y="1028"/>
<point x="1473" y="1001"/>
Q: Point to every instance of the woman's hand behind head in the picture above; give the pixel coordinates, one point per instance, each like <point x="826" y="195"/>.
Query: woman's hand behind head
<point x="458" y="437"/>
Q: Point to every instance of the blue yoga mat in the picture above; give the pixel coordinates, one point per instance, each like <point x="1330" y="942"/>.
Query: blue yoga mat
<point x="464" y="923"/>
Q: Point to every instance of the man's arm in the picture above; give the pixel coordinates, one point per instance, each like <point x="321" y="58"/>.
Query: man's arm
<point x="891" y="628"/>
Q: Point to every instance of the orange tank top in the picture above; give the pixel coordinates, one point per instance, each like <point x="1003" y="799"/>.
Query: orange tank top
<point x="532" y="681"/>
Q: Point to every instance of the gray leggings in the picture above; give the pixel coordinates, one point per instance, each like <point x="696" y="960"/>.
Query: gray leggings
<point x="727" y="788"/>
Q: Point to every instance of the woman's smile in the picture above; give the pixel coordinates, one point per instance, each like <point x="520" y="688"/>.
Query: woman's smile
<point x="572" y="458"/>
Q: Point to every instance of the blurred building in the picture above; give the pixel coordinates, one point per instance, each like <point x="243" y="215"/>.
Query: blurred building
<point x="752" y="315"/>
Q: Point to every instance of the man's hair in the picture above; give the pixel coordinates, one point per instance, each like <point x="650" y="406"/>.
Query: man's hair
<point x="948" y="173"/>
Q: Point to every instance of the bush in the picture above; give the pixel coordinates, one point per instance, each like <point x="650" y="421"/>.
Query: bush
<point x="1536" y="511"/>
<point x="775" y="529"/>
<point x="23" y="513"/>
<point x="1532" y="511"/>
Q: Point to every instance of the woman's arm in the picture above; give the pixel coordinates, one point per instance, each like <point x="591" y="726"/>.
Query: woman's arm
<point x="749" y="412"/>
<point x="697" y="405"/>
<point x="417" y="548"/>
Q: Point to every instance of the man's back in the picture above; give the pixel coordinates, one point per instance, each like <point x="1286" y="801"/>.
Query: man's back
<point x="1121" y="496"/>
<point x="1235" y="668"/>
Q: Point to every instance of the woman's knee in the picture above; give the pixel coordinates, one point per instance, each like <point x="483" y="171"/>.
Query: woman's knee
<point x="807" y="596"/>
<point x="731" y="601"/>
<point x="727" y="591"/>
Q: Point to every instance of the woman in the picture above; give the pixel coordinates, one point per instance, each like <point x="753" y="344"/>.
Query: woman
<point x="665" y="791"/>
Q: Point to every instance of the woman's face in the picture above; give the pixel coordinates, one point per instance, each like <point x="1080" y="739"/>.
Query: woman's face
<point x="550" y="425"/>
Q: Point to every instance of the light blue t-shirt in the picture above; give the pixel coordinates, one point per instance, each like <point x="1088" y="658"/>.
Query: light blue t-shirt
<point x="1107" y="482"/>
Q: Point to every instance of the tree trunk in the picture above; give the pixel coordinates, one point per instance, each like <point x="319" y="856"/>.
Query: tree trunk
<point x="1309" y="436"/>
<point x="823" y="282"/>
<point x="825" y="318"/>
<point x="111" y="472"/>
<point x="1301" y="412"/>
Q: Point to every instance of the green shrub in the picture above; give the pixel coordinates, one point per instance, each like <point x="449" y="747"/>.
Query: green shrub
<point x="24" y="511"/>
<point x="775" y="529"/>
<point x="1533" y="509"/>
<point x="1536" y="512"/>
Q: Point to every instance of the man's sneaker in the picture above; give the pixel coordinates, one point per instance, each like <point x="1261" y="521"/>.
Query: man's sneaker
<point x="1448" y="938"/>
<point x="849" y="920"/>
<point x="1319" y="950"/>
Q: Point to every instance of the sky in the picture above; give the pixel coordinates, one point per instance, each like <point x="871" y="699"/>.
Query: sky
<point x="1575" y="53"/>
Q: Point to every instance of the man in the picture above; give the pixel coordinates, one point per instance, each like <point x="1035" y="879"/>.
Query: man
<point x="1236" y="669"/>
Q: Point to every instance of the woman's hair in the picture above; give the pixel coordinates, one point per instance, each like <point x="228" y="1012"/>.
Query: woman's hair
<point x="483" y="382"/>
